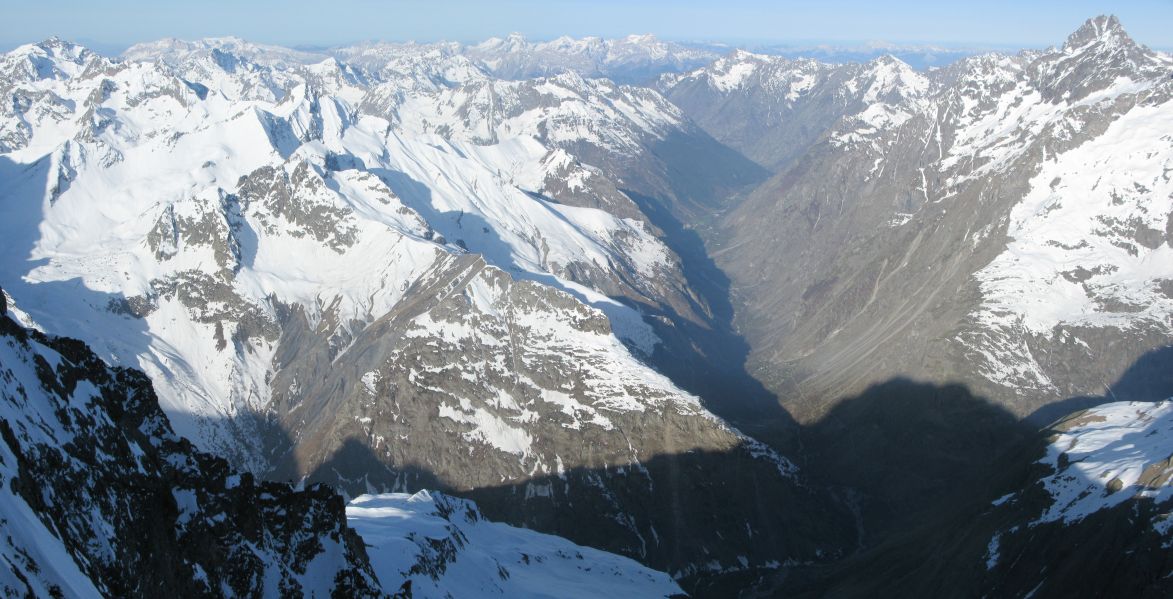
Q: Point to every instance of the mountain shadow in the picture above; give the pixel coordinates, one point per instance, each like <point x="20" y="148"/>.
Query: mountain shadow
<point x="66" y="304"/>
<point x="685" y="513"/>
<point x="899" y="453"/>
<point x="354" y="470"/>
<point x="908" y="473"/>
<point x="950" y="499"/>
<point x="113" y="324"/>
<point x="905" y="448"/>
<point x="973" y="548"/>
<point x="1149" y="378"/>
<point x="702" y="173"/>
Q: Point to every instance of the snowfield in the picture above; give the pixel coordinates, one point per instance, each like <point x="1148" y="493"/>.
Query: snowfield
<point x="1108" y="455"/>
<point x="445" y="548"/>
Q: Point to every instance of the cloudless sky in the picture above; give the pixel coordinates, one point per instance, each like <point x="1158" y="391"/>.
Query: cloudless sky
<point x="110" y="24"/>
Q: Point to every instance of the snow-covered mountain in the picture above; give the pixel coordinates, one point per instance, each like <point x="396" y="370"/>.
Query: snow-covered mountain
<point x="1002" y="222"/>
<point x="938" y="256"/>
<point x="389" y="296"/>
<point x="1107" y="455"/>
<point x="773" y="108"/>
<point x="325" y="202"/>
<point x="1104" y="477"/>
<point x="231" y="51"/>
<point x="920" y="56"/>
<point x="632" y="59"/>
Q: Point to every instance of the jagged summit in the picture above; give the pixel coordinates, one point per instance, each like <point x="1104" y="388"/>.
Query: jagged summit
<point x="1002" y="112"/>
<point x="1104" y="28"/>
<point x="100" y="497"/>
<point x="1096" y="56"/>
<point x="1105" y="38"/>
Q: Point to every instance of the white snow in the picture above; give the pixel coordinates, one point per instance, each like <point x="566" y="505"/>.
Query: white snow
<point x="1074" y="258"/>
<point x="491" y="430"/>
<point x="491" y="559"/>
<point x="734" y="75"/>
<point x="992" y="551"/>
<point x="571" y="110"/>
<point x="1127" y="445"/>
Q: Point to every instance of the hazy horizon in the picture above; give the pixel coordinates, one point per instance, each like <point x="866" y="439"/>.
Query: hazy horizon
<point x="113" y="26"/>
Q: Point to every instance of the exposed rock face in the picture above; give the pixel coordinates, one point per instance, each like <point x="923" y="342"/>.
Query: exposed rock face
<point x="993" y="229"/>
<point x="975" y="224"/>
<point x="628" y="151"/>
<point x="101" y="498"/>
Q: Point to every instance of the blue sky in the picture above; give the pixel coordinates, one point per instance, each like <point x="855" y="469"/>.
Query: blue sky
<point x="995" y="23"/>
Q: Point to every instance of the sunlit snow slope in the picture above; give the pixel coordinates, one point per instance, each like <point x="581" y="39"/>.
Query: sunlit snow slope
<point x="443" y="547"/>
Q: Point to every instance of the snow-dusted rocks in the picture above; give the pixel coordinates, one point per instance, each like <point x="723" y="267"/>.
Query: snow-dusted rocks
<point x="389" y="268"/>
<point x="1108" y="455"/>
<point x="772" y="108"/>
<point x="1084" y="509"/>
<point x="248" y="201"/>
<point x="631" y="59"/>
<point x="1089" y="246"/>
<point x="563" y="110"/>
<point x="1100" y="494"/>
<point x="101" y="498"/>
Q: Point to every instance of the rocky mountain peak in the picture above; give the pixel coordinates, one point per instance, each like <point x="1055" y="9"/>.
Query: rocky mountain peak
<point x="1097" y="56"/>
<point x="1101" y="29"/>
